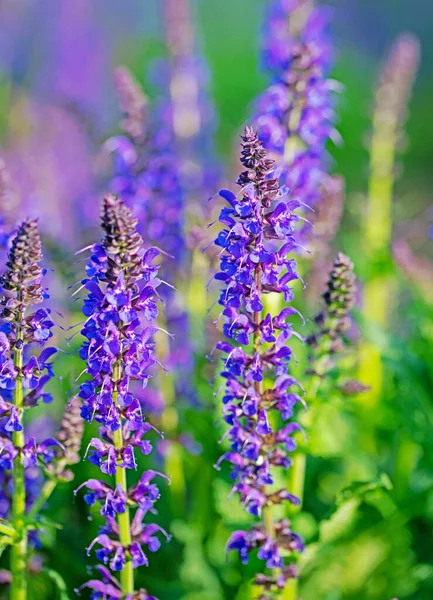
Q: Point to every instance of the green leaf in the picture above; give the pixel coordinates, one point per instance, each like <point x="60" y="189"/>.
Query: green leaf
<point x="6" y="529"/>
<point x="360" y="489"/>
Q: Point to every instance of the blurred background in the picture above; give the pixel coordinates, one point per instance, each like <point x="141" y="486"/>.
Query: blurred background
<point x="368" y="512"/>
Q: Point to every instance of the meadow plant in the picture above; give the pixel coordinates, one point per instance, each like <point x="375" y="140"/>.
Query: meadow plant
<point x="189" y="110"/>
<point x="142" y="373"/>
<point x="25" y="372"/>
<point x="333" y="321"/>
<point x="295" y="115"/>
<point x="147" y="178"/>
<point x="392" y="96"/>
<point x="120" y="309"/>
<point x="257" y="259"/>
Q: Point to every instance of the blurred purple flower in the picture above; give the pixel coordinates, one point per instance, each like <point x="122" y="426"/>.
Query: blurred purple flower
<point x="295" y="116"/>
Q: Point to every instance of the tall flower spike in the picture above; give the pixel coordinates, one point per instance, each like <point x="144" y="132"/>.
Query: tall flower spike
<point x="295" y="115"/>
<point x="120" y="306"/>
<point x="333" y="321"/>
<point x="133" y="103"/>
<point x="255" y="261"/>
<point x="392" y="97"/>
<point x="22" y="379"/>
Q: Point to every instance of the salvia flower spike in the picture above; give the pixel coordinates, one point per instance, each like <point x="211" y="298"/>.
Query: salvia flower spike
<point x="334" y="320"/>
<point x="23" y="374"/>
<point x="120" y="306"/>
<point x="295" y="115"/>
<point x="255" y="260"/>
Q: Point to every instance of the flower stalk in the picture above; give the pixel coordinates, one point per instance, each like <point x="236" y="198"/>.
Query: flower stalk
<point x="254" y="262"/>
<point x="325" y="344"/>
<point x="123" y="519"/>
<point x="19" y="548"/>
<point x="120" y="306"/>
<point x="22" y="379"/>
<point x="393" y="93"/>
<point x="295" y="115"/>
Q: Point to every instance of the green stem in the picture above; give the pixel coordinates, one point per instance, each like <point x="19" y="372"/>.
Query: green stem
<point x="258" y="385"/>
<point x="376" y="237"/>
<point x="297" y="479"/>
<point x="19" y="548"/>
<point x="123" y="519"/>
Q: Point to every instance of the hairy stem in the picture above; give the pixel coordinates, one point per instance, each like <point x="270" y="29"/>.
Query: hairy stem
<point x="123" y="519"/>
<point x="19" y="548"/>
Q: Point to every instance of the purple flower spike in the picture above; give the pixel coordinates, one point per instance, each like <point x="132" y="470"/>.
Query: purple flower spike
<point x="24" y="371"/>
<point x="255" y="261"/>
<point x="295" y="116"/>
<point x="120" y="305"/>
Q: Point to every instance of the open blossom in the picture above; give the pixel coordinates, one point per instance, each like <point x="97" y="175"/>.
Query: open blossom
<point x="22" y="288"/>
<point x="25" y="369"/>
<point x="120" y="309"/>
<point x="259" y="399"/>
<point x="295" y="116"/>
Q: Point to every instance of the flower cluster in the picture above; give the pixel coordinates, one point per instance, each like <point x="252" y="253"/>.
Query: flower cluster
<point x="256" y="243"/>
<point x="19" y="331"/>
<point x="120" y="306"/>
<point x="190" y="111"/>
<point x="295" y="115"/>
<point x="24" y="372"/>
<point x="334" y="320"/>
<point x="147" y="177"/>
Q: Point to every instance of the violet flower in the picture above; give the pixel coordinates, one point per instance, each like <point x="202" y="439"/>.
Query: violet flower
<point x="295" y="116"/>
<point x="255" y="260"/>
<point x="188" y="108"/>
<point x="23" y="373"/>
<point x="147" y="178"/>
<point x="120" y="308"/>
